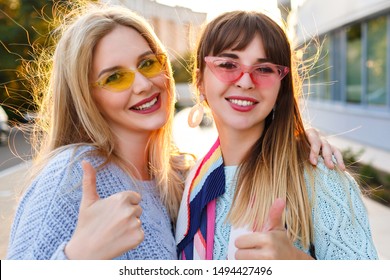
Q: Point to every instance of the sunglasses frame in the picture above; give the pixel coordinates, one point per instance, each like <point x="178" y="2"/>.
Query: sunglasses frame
<point x="210" y="61"/>
<point x="161" y="58"/>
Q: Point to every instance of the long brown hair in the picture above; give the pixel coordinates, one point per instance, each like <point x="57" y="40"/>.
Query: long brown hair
<point x="274" y="166"/>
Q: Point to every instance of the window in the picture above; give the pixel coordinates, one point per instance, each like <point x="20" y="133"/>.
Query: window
<point x="376" y="62"/>
<point x="309" y="70"/>
<point x="351" y="64"/>
<point x="317" y="59"/>
<point x="324" y="70"/>
<point x="354" y="58"/>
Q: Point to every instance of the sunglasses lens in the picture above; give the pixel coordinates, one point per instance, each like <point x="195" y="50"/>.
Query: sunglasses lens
<point x="226" y="71"/>
<point x="118" y="81"/>
<point x="152" y="66"/>
<point x="266" y="74"/>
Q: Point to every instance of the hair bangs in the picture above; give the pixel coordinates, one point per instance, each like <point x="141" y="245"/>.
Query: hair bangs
<point x="234" y="35"/>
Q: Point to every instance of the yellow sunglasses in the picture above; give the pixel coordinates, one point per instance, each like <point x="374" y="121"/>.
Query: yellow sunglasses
<point x="122" y="79"/>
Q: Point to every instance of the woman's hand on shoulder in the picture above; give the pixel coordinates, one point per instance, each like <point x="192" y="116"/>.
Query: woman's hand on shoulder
<point x="320" y="146"/>
<point x="108" y="227"/>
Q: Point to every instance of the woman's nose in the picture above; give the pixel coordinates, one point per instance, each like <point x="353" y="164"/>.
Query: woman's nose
<point x="141" y="83"/>
<point x="245" y="81"/>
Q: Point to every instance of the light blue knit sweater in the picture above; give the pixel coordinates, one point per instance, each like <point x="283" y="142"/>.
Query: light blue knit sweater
<point x="47" y="214"/>
<point x="341" y="226"/>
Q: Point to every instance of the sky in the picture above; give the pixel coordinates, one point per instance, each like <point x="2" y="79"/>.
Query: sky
<point x="215" y="7"/>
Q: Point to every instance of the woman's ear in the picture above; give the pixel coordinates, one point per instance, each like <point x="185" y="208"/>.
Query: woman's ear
<point x="199" y="82"/>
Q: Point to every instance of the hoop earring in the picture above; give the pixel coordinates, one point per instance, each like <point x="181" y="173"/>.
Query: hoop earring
<point x="273" y="113"/>
<point x="196" y="114"/>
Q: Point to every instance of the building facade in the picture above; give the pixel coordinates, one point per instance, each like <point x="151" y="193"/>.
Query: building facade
<point x="177" y="27"/>
<point x="347" y="48"/>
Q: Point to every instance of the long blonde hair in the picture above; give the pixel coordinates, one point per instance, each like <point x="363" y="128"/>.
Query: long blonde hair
<point x="67" y="113"/>
<point x="274" y="166"/>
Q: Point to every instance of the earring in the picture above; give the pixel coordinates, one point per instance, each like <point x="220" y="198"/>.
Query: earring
<point x="273" y="113"/>
<point x="196" y="114"/>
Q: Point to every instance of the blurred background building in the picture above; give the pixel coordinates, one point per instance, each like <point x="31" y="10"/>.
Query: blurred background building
<point x="177" y="27"/>
<point x="348" y="92"/>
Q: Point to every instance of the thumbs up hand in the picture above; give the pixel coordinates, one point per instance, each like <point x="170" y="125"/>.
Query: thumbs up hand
<point x="275" y="216"/>
<point x="272" y="242"/>
<point x="106" y="228"/>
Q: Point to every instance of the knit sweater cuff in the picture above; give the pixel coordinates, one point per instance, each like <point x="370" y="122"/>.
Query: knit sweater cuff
<point x="59" y="254"/>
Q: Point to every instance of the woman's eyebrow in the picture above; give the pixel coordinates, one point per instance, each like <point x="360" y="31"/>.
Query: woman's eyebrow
<point x="234" y="56"/>
<point x="110" y="69"/>
<point x="147" y="53"/>
<point x="228" y="55"/>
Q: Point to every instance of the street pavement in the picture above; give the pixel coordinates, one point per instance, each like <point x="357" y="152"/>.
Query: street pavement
<point x="11" y="185"/>
<point x="17" y="149"/>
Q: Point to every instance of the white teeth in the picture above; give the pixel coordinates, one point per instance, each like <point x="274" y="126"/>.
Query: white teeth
<point x="241" y="102"/>
<point x="147" y="105"/>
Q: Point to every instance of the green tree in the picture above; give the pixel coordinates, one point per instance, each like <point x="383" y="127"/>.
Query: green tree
<point x="182" y="69"/>
<point x="24" y="26"/>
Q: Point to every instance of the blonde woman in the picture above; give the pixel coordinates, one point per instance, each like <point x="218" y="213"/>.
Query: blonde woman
<point x="255" y="195"/>
<point x="109" y="102"/>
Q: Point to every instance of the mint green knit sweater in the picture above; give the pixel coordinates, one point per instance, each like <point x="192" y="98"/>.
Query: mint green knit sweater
<point x="341" y="226"/>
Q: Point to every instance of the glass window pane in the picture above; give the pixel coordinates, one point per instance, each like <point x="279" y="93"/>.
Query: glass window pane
<point x="337" y="65"/>
<point x="324" y="69"/>
<point x="376" y="61"/>
<point x="309" y="70"/>
<point x="354" y="56"/>
<point x="317" y="61"/>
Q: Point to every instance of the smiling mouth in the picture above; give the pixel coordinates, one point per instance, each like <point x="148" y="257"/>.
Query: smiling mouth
<point x="240" y="102"/>
<point x="146" y="105"/>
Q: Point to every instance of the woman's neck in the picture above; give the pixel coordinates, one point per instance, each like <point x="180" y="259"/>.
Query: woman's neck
<point x="235" y="144"/>
<point x="134" y="153"/>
